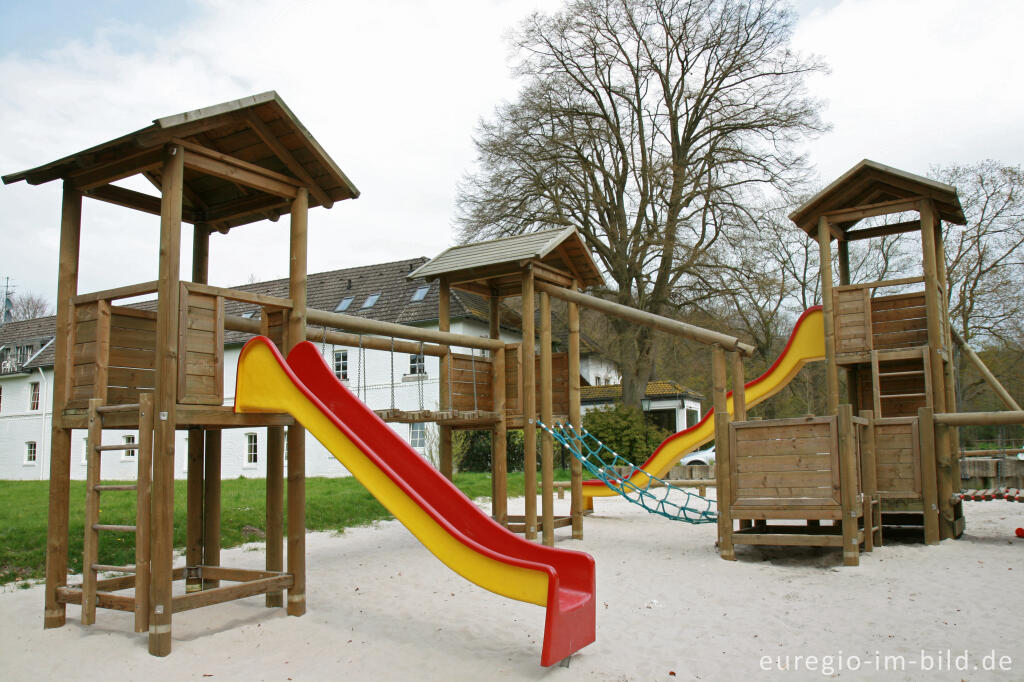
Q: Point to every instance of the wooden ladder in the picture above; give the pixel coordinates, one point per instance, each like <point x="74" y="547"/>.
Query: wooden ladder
<point x="91" y="594"/>
<point x="876" y="378"/>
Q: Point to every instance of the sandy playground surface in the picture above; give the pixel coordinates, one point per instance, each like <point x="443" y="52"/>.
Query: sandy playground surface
<point x="383" y="608"/>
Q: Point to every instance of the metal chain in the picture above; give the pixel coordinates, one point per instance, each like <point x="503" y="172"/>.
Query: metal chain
<point x="419" y="384"/>
<point x="472" y="362"/>
<point x="392" y="372"/>
<point x="359" y="370"/>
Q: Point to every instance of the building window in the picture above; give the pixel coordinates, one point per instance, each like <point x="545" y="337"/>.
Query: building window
<point x="418" y="435"/>
<point x="129" y="440"/>
<point x="33" y="395"/>
<point x="85" y="451"/>
<point x="417" y="364"/>
<point x="692" y="417"/>
<point x="420" y="294"/>
<point x="343" y="304"/>
<point x="252" y="451"/>
<point x="341" y="364"/>
<point x="30" y="452"/>
<point x="370" y="300"/>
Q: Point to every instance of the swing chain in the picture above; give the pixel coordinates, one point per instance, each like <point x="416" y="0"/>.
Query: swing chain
<point x="392" y="372"/>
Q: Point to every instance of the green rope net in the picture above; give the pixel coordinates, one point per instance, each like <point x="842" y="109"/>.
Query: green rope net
<point x="639" y="487"/>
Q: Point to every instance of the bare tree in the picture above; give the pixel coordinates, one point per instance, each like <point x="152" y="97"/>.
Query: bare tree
<point x="648" y="125"/>
<point x="29" y="306"/>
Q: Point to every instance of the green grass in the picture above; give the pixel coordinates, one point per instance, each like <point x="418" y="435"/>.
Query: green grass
<point x="332" y="504"/>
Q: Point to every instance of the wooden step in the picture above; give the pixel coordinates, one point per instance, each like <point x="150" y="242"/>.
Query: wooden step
<point x="125" y="486"/>
<point x="909" y="372"/>
<point x="130" y="568"/>
<point x="903" y="395"/>
<point x="114" y="527"/>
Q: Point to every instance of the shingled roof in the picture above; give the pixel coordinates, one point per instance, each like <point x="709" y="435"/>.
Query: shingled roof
<point x="655" y="389"/>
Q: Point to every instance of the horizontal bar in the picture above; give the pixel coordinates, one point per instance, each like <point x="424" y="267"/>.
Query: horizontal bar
<point x="102" y="488"/>
<point x="979" y="418"/>
<point x="129" y="291"/>
<point x="122" y="446"/>
<point x="219" y="595"/>
<point x="989" y="453"/>
<point x="114" y="527"/>
<point x="883" y="230"/>
<point x="880" y="283"/>
<point x="107" y="409"/>
<point x="129" y="568"/>
<point x="104" y="600"/>
<point x="665" y="324"/>
<point x="236" y="295"/>
<point x="399" y="331"/>
<point x="235" y="574"/>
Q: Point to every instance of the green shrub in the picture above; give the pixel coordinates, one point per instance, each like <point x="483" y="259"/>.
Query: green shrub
<point x="625" y="430"/>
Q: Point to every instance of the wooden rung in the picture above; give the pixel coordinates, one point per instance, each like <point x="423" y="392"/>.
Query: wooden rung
<point x="909" y="372"/>
<point x="130" y="568"/>
<point x="101" y="488"/>
<point x="131" y="407"/>
<point x="903" y="395"/>
<point x="123" y="446"/>
<point x="114" y="527"/>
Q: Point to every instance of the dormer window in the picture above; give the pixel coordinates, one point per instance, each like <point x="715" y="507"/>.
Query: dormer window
<point x="370" y="300"/>
<point x="343" y="304"/>
<point x="420" y="294"/>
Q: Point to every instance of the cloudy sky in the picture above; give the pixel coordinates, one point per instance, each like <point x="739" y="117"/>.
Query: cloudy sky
<point x="393" y="89"/>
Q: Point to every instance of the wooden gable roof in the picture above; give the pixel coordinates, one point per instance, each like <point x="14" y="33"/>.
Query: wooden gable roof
<point x="258" y="134"/>
<point x="870" y="183"/>
<point x="481" y="265"/>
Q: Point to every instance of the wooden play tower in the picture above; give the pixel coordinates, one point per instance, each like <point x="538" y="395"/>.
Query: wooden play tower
<point x="162" y="370"/>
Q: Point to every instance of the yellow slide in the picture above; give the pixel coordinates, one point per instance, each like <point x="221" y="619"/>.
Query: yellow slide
<point x="806" y="344"/>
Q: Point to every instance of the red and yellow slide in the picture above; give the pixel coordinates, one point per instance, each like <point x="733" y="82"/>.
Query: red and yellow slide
<point x="455" y="530"/>
<point x="806" y="344"/>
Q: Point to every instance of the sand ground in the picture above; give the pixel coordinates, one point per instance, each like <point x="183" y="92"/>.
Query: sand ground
<point x="383" y="608"/>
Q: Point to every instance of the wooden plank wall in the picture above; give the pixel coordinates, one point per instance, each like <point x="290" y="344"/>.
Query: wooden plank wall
<point x="853" y="325"/>
<point x="785" y="463"/>
<point x="899" y="321"/>
<point x="114" y="354"/>
<point x="470" y="371"/>
<point x="898" y="458"/>
<point x="201" y="345"/>
<point x="904" y="385"/>
<point x="513" y="381"/>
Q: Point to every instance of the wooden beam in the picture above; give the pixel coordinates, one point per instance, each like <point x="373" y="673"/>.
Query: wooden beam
<point x="871" y="210"/>
<point x="251" y="204"/>
<point x="546" y="415"/>
<point x="194" y="509"/>
<point x="986" y="374"/>
<point x="929" y="488"/>
<point x="234" y="170"/>
<point x="980" y="418"/>
<point x="121" y="196"/>
<point x="162" y="552"/>
<point x="115" y="170"/>
<point x="528" y="400"/>
<point x="275" y="509"/>
<point x="723" y="454"/>
<point x="575" y="417"/>
<point x="499" y="433"/>
<point x="239" y="295"/>
<point x="143" y="506"/>
<point x="399" y="331"/>
<point x="739" y="389"/>
<point x="298" y="242"/>
<point x="130" y="291"/>
<point x="647" y="319"/>
<point x="211" y="502"/>
<point x="825" y="266"/>
<point x="282" y="152"/>
<point x="883" y="230"/>
<point x="848" y="473"/>
<point x="161" y="135"/>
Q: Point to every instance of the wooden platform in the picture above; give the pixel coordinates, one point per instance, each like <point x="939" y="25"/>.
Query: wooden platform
<point x="219" y="416"/>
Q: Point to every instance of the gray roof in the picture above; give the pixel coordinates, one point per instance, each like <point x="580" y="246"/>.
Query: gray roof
<point x="533" y="245"/>
<point x="38" y="332"/>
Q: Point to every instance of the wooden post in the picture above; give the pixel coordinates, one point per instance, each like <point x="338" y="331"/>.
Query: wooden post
<point x="869" y="483"/>
<point x="723" y="457"/>
<point x="499" y="434"/>
<point x="194" y="510"/>
<point x="143" y="511"/>
<point x="739" y="388"/>
<point x="165" y="401"/>
<point x="55" y="612"/>
<point x="937" y="348"/>
<point x="848" y="485"/>
<point x="211" y="503"/>
<point x="575" y="417"/>
<point x="831" y="369"/>
<point x="297" y="434"/>
<point x="529" y="402"/>
<point x="275" y="508"/>
<point x="90" y="544"/>
<point x="547" y="416"/>
<point x="445" y="463"/>
<point x="929" y="489"/>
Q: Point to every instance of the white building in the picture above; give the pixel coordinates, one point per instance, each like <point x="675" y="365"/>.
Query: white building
<point x="383" y="379"/>
<point x="667" y="404"/>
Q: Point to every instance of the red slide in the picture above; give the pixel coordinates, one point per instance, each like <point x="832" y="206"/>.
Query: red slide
<point x="570" y="618"/>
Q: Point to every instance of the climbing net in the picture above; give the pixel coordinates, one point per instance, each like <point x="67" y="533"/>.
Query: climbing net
<point x="639" y="487"/>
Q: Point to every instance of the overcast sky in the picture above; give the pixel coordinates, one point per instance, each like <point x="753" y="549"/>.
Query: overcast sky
<point x="393" y="89"/>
